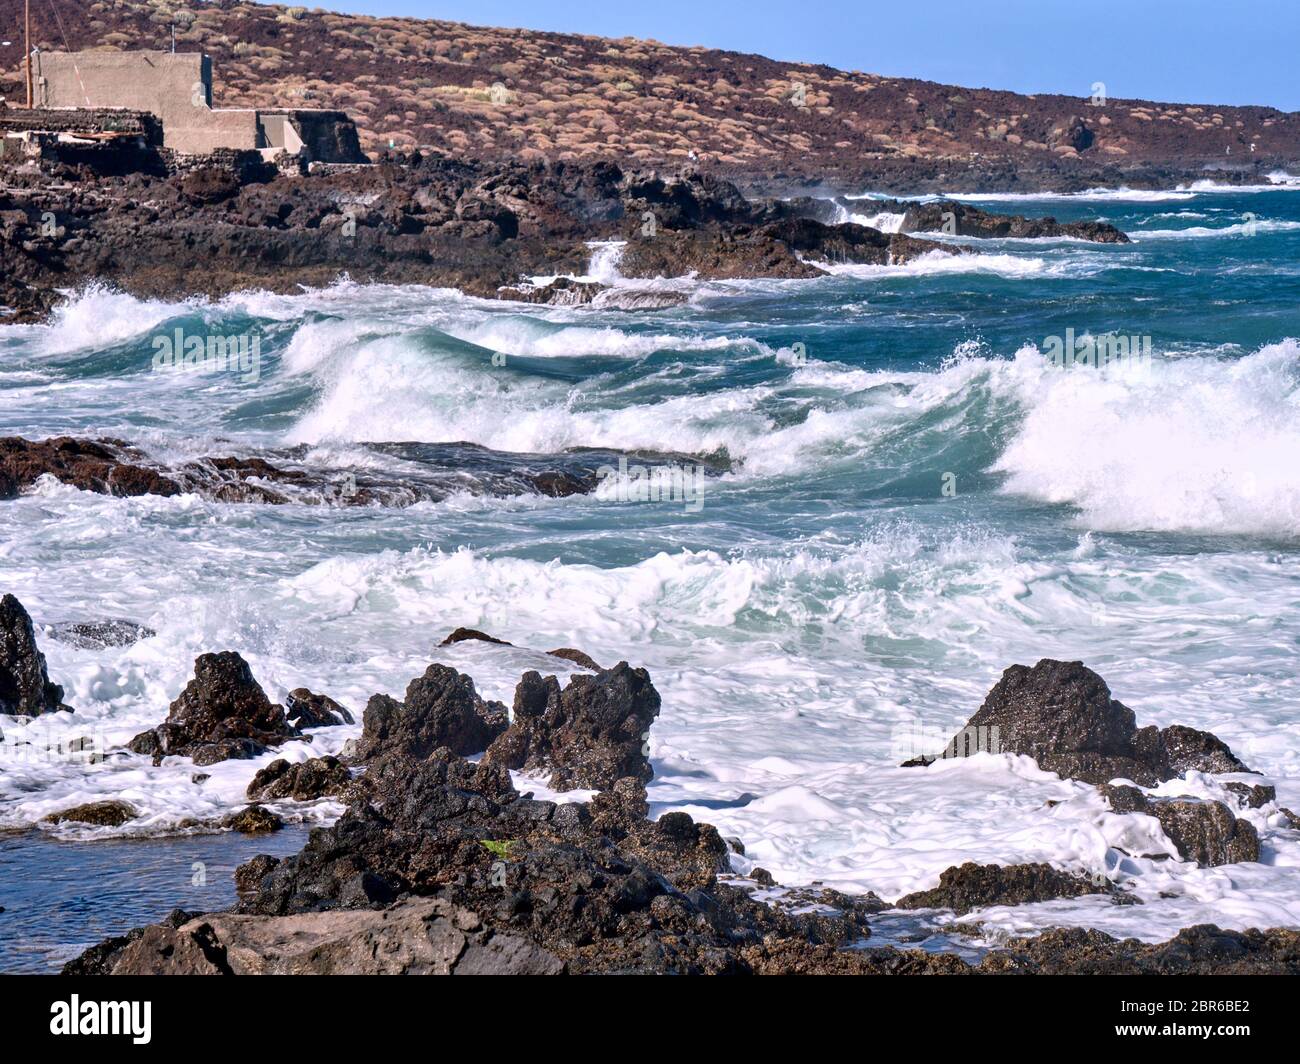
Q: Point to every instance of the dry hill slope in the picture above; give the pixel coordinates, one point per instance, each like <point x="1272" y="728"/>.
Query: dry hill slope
<point x="518" y="94"/>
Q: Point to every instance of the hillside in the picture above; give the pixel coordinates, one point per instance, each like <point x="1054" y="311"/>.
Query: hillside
<point x="498" y="94"/>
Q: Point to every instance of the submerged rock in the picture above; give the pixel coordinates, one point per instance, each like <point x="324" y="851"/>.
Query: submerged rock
<point x="592" y="733"/>
<point x="25" y="687"/>
<point x="99" y="635"/>
<point x="561" y="292"/>
<point x="1252" y="797"/>
<point x="255" y="820"/>
<point x="462" y="635"/>
<point x="112" y="814"/>
<point x="1061" y="713"/>
<point x="578" y="657"/>
<point x="222" y="713"/>
<point x="958" y="219"/>
<point x="973" y="886"/>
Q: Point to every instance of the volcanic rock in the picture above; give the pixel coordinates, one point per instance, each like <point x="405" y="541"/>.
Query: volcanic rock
<point x="306" y="710"/>
<point x="972" y="886"/>
<point x="1206" y="832"/>
<point x="1252" y="797"/>
<point x="112" y="813"/>
<point x="1062" y="714"/>
<point x="25" y="687"/>
<point x="1200" y="950"/>
<point x="590" y="734"/>
<point x="578" y="657"/>
<point x="430" y="472"/>
<point x="441" y="709"/>
<point x="958" y="219"/>
<point x="461" y="635"/>
<point x="428" y="847"/>
<point x="255" y="820"/>
<point x="304" y="781"/>
<point x="99" y="635"/>
<point x="424" y="936"/>
<point x="108" y="467"/>
<point x="222" y="713"/>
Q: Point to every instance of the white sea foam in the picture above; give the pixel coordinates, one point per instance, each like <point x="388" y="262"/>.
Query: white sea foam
<point x="938" y="262"/>
<point x="1100" y="195"/>
<point x="1195" y="444"/>
<point x="780" y="676"/>
<point x="885" y="221"/>
<point x="1196" y="232"/>
<point x="98" y="316"/>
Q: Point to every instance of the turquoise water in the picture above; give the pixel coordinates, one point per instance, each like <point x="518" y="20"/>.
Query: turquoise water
<point x="919" y="499"/>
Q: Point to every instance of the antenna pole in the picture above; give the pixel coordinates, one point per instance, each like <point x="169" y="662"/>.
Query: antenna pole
<point x="27" y="42"/>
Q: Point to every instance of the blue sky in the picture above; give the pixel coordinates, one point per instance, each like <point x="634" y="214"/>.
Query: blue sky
<point x="1189" y="51"/>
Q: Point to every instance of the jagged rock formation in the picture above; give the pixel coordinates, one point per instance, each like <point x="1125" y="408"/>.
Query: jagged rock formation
<point x="439" y="865"/>
<point x="1061" y="713"/>
<point x="441" y="709"/>
<point x="303" y="782"/>
<point x="25" y="687"/>
<point x="222" y="713"/>
<point x="303" y="709"/>
<point x="592" y="733"/>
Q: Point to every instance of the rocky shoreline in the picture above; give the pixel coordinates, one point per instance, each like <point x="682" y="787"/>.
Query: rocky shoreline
<point x="421" y="472"/>
<point x="440" y="865"/>
<point x="210" y="226"/>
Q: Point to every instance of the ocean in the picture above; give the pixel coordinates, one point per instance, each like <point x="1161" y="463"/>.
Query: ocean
<point x="919" y="498"/>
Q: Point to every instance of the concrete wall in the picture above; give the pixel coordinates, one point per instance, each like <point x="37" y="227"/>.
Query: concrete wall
<point x="323" y="136"/>
<point x="205" y="131"/>
<point x="178" y="89"/>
